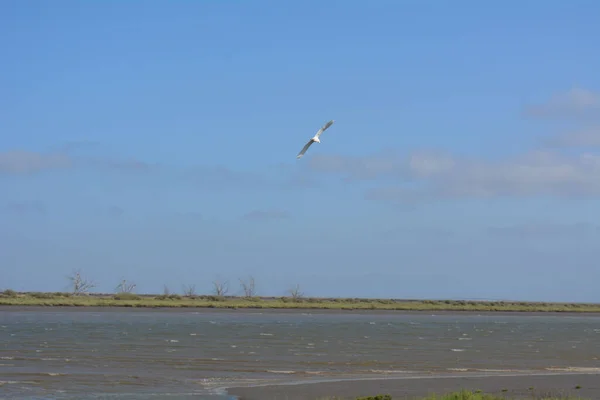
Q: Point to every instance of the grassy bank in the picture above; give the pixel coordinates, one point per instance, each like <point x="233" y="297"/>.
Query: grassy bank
<point x="465" y="395"/>
<point x="11" y="298"/>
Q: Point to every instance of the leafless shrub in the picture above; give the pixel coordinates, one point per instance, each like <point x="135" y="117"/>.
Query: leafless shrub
<point x="79" y="284"/>
<point x="125" y="287"/>
<point x="296" y="293"/>
<point x="248" y="287"/>
<point x="166" y="290"/>
<point x="189" y="290"/>
<point x="220" y="288"/>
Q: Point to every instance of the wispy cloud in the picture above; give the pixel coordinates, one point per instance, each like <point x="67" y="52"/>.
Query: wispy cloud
<point x="532" y="174"/>
<point x="26" y="208"/>
<point x="115" y="211"/>
<point x="384" y="164"/>
<point x="22" y="162"/>
<point x="421" y="176"/>
<point x="266" y="215"/>
<point x="219" y="176"/>
<point x="206" y="177"/>
<point x="545" y="230"/>
<point x="28" y="162"/>
<point x="278" y="177"/>
<point x="573" y="103"/>
<point x="585" y="137"/>
<point x="74" y="145"/>
<point x="430" y="233"/>
<point x="133" y="164"/>
<point x="410" y="177"/>
<point x="426" y="175"/>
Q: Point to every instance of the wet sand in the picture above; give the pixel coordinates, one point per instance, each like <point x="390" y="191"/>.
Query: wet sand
<point x="516" y="386"/>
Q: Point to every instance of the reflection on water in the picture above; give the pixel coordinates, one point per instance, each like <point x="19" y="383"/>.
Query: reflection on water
<point x="134" y="354"/>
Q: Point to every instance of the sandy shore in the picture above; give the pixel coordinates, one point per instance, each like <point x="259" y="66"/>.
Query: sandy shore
<point x="517" y="387"/>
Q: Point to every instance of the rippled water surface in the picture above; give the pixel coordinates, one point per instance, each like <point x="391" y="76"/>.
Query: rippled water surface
<point x="135" y="354"/>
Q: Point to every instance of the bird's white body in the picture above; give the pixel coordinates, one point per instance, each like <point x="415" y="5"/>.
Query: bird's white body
<point x="315" y="138"/>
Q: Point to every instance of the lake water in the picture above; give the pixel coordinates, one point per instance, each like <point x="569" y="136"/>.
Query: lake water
<point x="55" y="353"/>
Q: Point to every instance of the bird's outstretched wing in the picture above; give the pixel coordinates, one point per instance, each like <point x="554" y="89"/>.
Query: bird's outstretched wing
<point x="306" y="146"/>
<point x="324" y="127"/>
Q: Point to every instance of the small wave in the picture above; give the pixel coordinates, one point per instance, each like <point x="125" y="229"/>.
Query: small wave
<point x="219" y="385"/>
<point x="266" y="334"/>
<point x="280" y="372"/>
<point x="499" y="370"/>
<point x="457" y="349"/>
<point x="390" y="371"/>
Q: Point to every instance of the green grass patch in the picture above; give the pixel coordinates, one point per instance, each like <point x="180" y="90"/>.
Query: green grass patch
<point x="461" y="395"/>
<point x="127" y="296"/>
<point x="10" y="297"/>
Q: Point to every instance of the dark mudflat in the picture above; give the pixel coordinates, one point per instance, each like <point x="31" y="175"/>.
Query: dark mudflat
<point x="515" y="386"/>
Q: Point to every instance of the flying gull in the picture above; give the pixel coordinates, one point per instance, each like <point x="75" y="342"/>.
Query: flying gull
<point x="314" y="138"/>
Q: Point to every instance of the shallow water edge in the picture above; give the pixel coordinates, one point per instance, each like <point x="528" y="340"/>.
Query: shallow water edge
<point x="316" y="311"/>
<point x="585" y="385"/>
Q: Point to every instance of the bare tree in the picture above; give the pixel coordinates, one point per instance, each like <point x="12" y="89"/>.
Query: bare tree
<point x="189" y="290"/>
<point x="220" y="287"/>
<point x="80" y="285"/>
<point x="296" y="293"/>
<point x="125" y="287"/>
<point x="166" y="290"/>
<point x="248" y="286"/>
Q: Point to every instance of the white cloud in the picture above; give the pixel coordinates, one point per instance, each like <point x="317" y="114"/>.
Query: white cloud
<point x="266" y="215"/>
<point x="586" y="137"/>
<point x="26" y="208"/>
<point x="534" y="173"/>
<point x="576" y="230"/>
<point x="19" y="162"/>
<point x="115" y="211"/>
<point x="385" y="164"/>
<point x="575" y="102"/>
<point x="28" y="162"/>
<point x="429" y="175"/>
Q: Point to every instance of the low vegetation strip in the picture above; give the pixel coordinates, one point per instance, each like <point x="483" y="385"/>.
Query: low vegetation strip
<point x="12" y="298"/>
<point x="465" y="395"/>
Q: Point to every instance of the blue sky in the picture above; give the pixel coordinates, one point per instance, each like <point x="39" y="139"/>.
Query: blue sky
<point x="157" y="143"/>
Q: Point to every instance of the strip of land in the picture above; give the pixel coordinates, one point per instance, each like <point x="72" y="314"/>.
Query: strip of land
<point x="11" y="298"/>
<point x="577" y="386"/>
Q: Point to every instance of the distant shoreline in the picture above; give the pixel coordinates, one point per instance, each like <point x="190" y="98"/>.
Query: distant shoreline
<point x="321" y="311"/>
<point x="151" y="301"/>
<point x="579" y="385"/>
